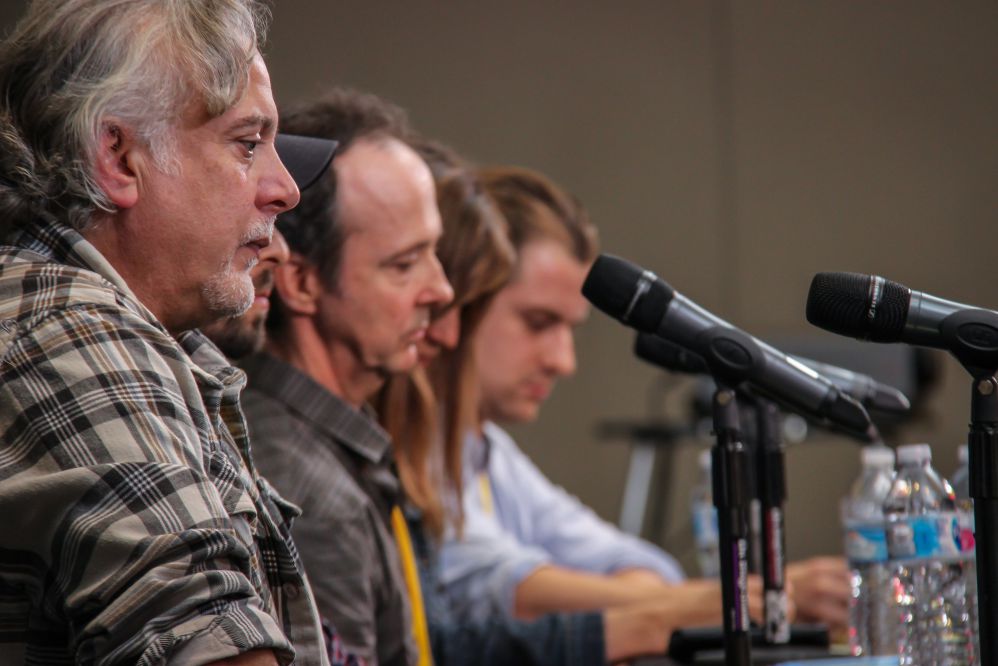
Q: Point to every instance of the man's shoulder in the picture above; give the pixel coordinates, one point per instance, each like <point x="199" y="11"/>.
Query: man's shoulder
<point x="299" y="460"/>
<point x="30" y="279"/>
<point x="267" y="415"/>
<point x="500" y="443"/>
<point x="280" y="440"/>
<point x="34" y="290"/>
<point x="513" y="474"/>
<point x="321" y="485"/>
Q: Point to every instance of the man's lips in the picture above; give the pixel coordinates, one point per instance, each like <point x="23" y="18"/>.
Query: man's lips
<point x="537" y="390"/>
<point x="418" y="332"/>
<point x="258" y="243"/>
<point x="261" y="298"/>
<point x="427" y="353"/>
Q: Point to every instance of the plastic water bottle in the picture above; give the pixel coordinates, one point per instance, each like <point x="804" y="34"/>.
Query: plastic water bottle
<point x="965" y="516"/>
<point x="961" y="477"/>
<point x="923" y="542"/>
<point x="706" y="537"/>
<point x="872" y="630"/>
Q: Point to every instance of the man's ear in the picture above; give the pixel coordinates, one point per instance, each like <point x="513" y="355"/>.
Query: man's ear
<point x="115" y="163"/>
<point x="298" y="285"/>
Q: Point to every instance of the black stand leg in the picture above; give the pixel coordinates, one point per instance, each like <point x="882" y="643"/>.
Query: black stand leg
<point x="772" y="493"/>
<point x="729" y="468"/>
<point x="982" y="443"/>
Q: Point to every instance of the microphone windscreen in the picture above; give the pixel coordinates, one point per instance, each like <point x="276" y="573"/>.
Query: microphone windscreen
<point x="857" y="305"/>
<point x="627" y="292"/>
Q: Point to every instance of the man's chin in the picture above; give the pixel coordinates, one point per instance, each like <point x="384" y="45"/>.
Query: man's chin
<point x="229" y="295"/>
<point x="521" y="412"/>
<point x="237" y="338"/>
<point x="426" y="358"/>
<point x="403" y="363"/>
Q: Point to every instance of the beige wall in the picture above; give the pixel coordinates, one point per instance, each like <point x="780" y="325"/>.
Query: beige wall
<point x="734" y="147"/>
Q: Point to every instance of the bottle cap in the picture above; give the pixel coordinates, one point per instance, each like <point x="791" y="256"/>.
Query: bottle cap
<point x="877" y="456"/>
<point x="963" y="454"/>
<point x="914" y="453"/>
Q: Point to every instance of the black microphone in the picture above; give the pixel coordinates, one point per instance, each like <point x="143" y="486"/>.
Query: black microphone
<point x="872" y="308"/>
<point x="640" y="299"/>
<point x="868" y="391"/>
<point x="668" y="355"/>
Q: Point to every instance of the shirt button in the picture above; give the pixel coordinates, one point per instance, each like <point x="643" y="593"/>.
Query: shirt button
<point x="291" y="591"/>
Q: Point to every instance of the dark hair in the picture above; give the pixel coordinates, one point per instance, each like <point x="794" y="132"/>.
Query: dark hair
<point x="442" y="160"/>
<point x="313" y="229"/>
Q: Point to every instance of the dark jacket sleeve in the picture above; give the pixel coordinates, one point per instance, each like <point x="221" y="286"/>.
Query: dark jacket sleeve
<point x="570" y="639"/>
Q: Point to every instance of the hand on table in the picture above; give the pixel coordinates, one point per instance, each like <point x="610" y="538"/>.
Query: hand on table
<point x="821" y="591"/>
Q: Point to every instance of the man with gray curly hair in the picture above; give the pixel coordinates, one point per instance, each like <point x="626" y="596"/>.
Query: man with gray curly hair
<point x="139" y="183"/>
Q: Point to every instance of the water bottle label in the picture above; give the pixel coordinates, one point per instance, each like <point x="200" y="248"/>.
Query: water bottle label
<point x="967" y="530"/>
<point x="928" y="536"/>
<point x="948" y="524"/>
<point x="901" y="539"/>
<point x="866" y="543"/>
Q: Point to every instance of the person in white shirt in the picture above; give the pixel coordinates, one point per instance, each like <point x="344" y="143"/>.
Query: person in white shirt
<point x="528" y="547"/>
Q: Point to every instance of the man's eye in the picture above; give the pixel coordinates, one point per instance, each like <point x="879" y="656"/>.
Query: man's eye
<point x="404" y="266"/>
<point x="405" y="263"/>
<point x="250" y="146"/>
<point x="538" y="323"/>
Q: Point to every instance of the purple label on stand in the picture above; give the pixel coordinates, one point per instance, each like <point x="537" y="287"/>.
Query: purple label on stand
<point x="740" y="616"/>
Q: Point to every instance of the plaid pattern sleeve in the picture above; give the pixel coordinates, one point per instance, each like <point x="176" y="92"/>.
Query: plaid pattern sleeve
<point x="132" y="529"/>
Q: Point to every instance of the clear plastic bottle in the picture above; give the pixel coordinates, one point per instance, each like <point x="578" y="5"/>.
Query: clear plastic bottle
<point x="961" y="477"/>
<point x="923" y="543"/>
<point x="872" y="629"/>
<point x="706" y="537"/>
<point x="965" y="516"/>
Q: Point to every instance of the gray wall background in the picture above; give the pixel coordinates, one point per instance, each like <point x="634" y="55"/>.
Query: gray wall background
<point x="734" y="147"/>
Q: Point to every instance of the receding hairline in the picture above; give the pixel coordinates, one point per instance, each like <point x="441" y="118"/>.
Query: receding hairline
<point x="404" y="155"/>
<point x="542" y="239"/>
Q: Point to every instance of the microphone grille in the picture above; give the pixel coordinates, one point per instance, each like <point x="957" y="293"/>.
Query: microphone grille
<point x="858" y="305"/>
<point x="627" y="292"/>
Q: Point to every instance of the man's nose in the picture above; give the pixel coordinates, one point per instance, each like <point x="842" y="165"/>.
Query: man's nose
<point x="439" y="292"/>
<point x="277" y="191"/>
<point x="559" y="355"/>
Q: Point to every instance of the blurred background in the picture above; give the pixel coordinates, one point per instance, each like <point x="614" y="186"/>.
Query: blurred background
<point x="735" y="148"/>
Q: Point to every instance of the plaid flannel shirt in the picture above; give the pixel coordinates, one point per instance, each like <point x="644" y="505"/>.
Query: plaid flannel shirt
<point x="135" y="527"/>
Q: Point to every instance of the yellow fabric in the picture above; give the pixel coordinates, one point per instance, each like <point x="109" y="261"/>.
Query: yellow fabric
<point x="485" y="490"/>
<point x="419" y="629"/>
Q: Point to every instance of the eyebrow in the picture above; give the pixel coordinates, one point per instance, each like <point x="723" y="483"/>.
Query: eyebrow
<point x="415" y="247"/>
<point x="256" y="120"/>
<point x="530" y="310"/>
